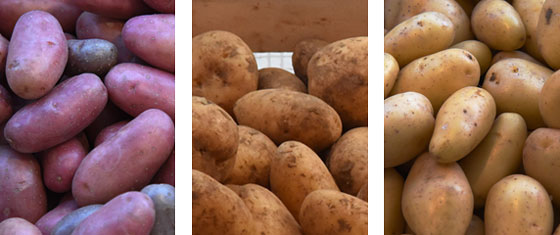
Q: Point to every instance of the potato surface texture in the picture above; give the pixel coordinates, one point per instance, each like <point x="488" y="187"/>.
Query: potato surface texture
<point x="69" y="222"/>
<point x="348" y="160"/>
<point x="547" y="33"/>
<point x="549" y="101"/>
<point x="18" y="226"/>
<point x="498" y="25"/>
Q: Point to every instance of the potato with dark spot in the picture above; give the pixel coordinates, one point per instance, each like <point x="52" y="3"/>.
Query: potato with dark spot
<point x="331" y="212"/>
<point x="18" y="226"/>
<point x="163" y="197"/>
<point x="270" y="78"/>
<point x="502" y="55"/>
<point x="224" y="68"/>
<point x="90" y="56"/>
<point x="530" y="11"/>
<point x="547" y="33"/>
<point x="391" y="70"/>
<point x="479" y="50"/>
<point x="498" y="25"/>
<point x="348" y="160"/>
<point x="67" y="224"/>
<point x="393" y="188"/>
<point x="303" y="52"/>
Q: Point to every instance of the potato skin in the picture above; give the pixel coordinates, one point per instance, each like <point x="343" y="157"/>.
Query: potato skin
<point x="462" y="123"/>
<point x="393" y="187"/>
<point x="152" y="38"/>
<point x="136" y="88"/>
<point x="297" y="171"/>
<point x="529" y="11"/>
<point x="60" y="163"/>
<point x="128" y="213"/>
<point x="90" y="56"/>
<point x="409" y="120"/>
<point x="480" y="51"/>
<point x="37" y="55"/>
<point x="129" y="160"/>
<point x="163" y="6"/>
<point x="50" y="219"/>
<point x="547" y="33"/>
<point x="498" y="25"/>
<point x="391" y="70"/>
<point x="549" y="98"/>
<point x="348" y="160"/>
<point x="53" y="119"/>
<point x="27" y="200"/>
<point x="270" y="78"/>
<point x="502" y="55"/>
<point x="123" y="9"/>
<point x="533" y="215"/>
<point x="515" y="85"/>
<point x="332" y="212"/>
<point x="18" y="226"/>
<point x="109" y="132"/>
<point x="421" y="35"/>
<point x="428" y="180"/>
<point x="303" y="52"/>
<point x="496" y="157"/>
<point x="163" y="197"/>
<point x="284" y="115"/>
<point x="69" y="222"/>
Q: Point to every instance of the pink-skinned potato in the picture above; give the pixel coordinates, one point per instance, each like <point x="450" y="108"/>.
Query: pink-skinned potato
<point x="60" y="163"/>
<point x="69" y="222"/>
<point x="136" y="88"/>
<point x="37" y="55"/>
<point x="109" y="132"/>
<point x="21" y="187"/>
<point x="18" y="226"/>
<point x="68" y="109"/>
<point x="127" y="161"/>
<point x="152" y="38"/>
<point x="121" y="9"/>
<point x="50" y="219"/>
<point x="166" y="174"/>
<point x="128" y="213"/>
<point x="163" y="6"/>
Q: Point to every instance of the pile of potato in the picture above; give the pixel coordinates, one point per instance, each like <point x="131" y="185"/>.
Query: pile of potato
<point x="472" y="117"/>
<point x="274" y="152"/>
<point x="87" y="108"/>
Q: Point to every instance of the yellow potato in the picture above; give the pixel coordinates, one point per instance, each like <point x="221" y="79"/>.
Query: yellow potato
<point x="409" y="121"/>
<point x="502" y="55"/>
<point x="480" y="51"/>
<point x="518" y="205"/>
<point x="461" y="124"/>
<point x="476" y="227"/>
<point x="496" y="157"/>
<point x="391" y="70"/>
<point x="547" y="33"/>
<point x="549" y="100"/>
<point x="348" y="160"/>
<point x="529" y="11"/>
<point x="421" y="35"/>
<point x="393" y="217"/>
<point x="439" y="75"/>
<point x="515" y="85"/>
<point x="496" y="23"/>
<point x="437" y="198"/>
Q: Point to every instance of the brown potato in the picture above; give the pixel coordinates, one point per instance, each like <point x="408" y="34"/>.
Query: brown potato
<point x="393" y="188"/>
<point x="90" y="56"/>
<point x="547" y="33"/>
<point x="363" y="193"/>
<point x="480" y="51"/>
<point x="270" y="78"/>
<point x="549" y="98"/>
<point x="502" y="55"/>
<point x="303" y="52"/>
<point x="529" y="11"/>
<point x="496" y="23"/>
<point x="348" y="160"/>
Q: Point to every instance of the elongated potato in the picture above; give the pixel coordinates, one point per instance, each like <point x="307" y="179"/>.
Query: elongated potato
<point x="69" y="222"/>
<point x="393" y="187"/>
<point x="122" y="9"/>
<point x="549" y="101"/>
<point x="348" y="160"/>
<point x="391" y="70"/>
<point x="270" y="78"/>
<point x="163" y="197"/>
<point x="515" y="85"/>
<point x="295" y="172"/>
<point x="496" y="157"/>
<point x="452" y="209"/>
<point x="60" y="163"/>
<point x="502" y="55"/>
<point x="284" y="115"/>
<point x="421" y="35"/>
<point x="18" y="226"/>
<point x="303" y="52"/>
<point x="462" y="123"/>
<point x="480" y="51"/>
<point x="332" y="212"/>
<point x="530" y="11"/>
<point x="498" y="25"/>
<point x="439" y="75"/>
<point x="547" y="33"/>
<point x="532" y="211"/>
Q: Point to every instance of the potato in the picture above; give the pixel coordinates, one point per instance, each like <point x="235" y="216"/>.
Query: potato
<point x="60" y="163"/>
<point x="303" y="52"/>
<point x="547" y="33"/>
<point x="393" y="187"/>
<point x="295" y="172"/>
<point x="163" y="197"/>
<point x="284" y="115"/>
<point x="18" y="226"/>
<point x="476" y="227"/>
<point x="531" y="212"/>
<point x="224" y="68"/>
<point x="439" y="75"/>
<point x="450" y="8"/>
<point x="50" y="219"/>
<point x="6" y="109"/>
<point x="90" y="56"/>
<point x="462" y="123"/>
<point x="215" y="139"/>
<point x="69" y="222"/>
<point x="37" y="55"/>
<point x="409" y="120"/>
<point x="270" y="78"/>
<point x="123" y="9"/>
<point x="54" y="119"/>
<point x="269" y="214"/>
<point x="529" y="11"/>
<point x="217" y="210"/>
<point x="502" y="55"/>
<point x="331" y="212"/>
<point x="152" y="38"/>
<point x="23" y="194"/>
<point x="136" y="88"/>
<point x="515" y="85"/>
<point x="480" y="51"/>
<point x="496" y="157"/>
<point x="437" y="198"/>
<point x="549" y="98"/>
<point x="164" y="6"/>
<point x="253" y="157"/>
<point x="128" y="213"/>
<point x="109" y="132"/>
<point x="338" y="75"/>
<point x="498" y="25"/>
<point x="421" y="35"/>
<point x="391" y="12"/>
<point x="363" y="193"/>
<point x="3" y="54"/>
<point x="166" y="173"/>
<point x="391" y="70"/>
<point x="348" y="160"/>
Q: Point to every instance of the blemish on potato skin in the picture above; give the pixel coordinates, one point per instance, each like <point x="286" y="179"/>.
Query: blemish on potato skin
<point x="343" y="226"/>
<point x="493" y="77"/>
<point x="548" y="15"/>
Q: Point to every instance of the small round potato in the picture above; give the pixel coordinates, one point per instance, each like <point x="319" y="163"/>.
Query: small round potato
<point x="529" y="11"/>
<point x="270" y="78"/>
<point x="480" y="51"/>
<point x="391" y="70"/>
<point x="547" y="33"/>
<point x="393" y="187"/>
<point x="502" y="55"/>
<point x="348" y="160"/>
<point x="90" y="56"/>
<point x="476" y="227"/>
<point x="496" y="23"/>
<point x="549" y="101"/>
<point x="302" y="54"/>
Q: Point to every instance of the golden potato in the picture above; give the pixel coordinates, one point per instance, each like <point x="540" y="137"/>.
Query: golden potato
<point x="549" y="101"/>
<point x="547" y="33"/>
<point x="529" y="11"/>
<point x="502" y="55"/>
<point x="480" y="51"/>
<point x="393" y="187"/>
<point x="348" y="160"/>
<point x="498" y="25"/>
<point x="391" y="70"/>
<point x="476" y="227"/>
<point x="302" y="54"/>
<point x="270" y="78"/>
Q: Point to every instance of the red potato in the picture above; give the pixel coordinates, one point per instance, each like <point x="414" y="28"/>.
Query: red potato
<point x="62" y="114"/>
<point x="3" y="54"/>
<point x="135" y="88"/>
<point x="49" y="220"/>
<point x="152" y="38"/>
<point x="128" y="161"/>
<point x="108" y="132"/>
<point x="163" y="6"/>
<point x="60" y="163"/>
<point x="121" y="9"/>
<point x="18" y="226"/>
<point x="6" y="110"/>
<point x="110" y="115"/>
<point x="37" y="55"/>
<point x="128" y="213"/>
<point x="21" y="188"/>
<point x="166" y="174"/>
